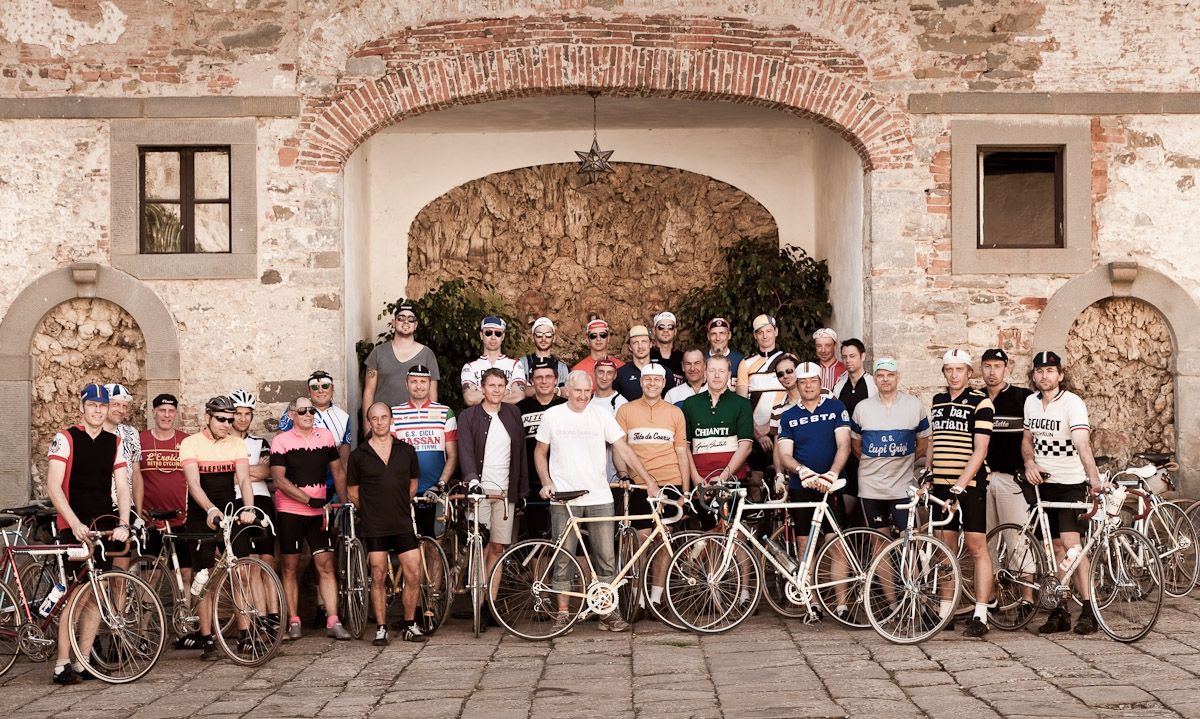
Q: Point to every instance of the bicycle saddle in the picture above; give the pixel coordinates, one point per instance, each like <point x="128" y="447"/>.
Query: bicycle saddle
<point x="1158" y="459"/>
<point x="1145" y="472"/>
<point x="1102" y="459"/>
<point x="165" y="514"/>
<point x="568" y="496"/>
<point x="8" y="521"/>
<point x="28" y="510"/>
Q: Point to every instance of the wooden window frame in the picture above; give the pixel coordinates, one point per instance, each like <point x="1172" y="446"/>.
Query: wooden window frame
<point x="187" y="195"/>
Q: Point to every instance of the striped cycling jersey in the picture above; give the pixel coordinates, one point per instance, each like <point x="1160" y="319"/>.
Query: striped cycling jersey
<point x="955" y="422"/>
<point x="427" y="428"/>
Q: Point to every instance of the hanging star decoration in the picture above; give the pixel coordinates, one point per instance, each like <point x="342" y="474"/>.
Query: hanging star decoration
<point x="594" y="162"/>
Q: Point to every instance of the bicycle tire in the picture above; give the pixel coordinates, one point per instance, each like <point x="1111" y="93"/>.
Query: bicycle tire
<point x="1018" y="564"/>
<point x="242" y="604"/>
<point x="658" y="609"/>
<point x="11" y="618"/>
<point x="859" y="545"/>
<point x="1174" y="535"/>
<point x="354" y="591"/>
<point x="436" y="595"/>
<point x="525" y="601"/>
<point x="775" y="584"/>
<point x="476" y="584"/>
<point x="707" y="594"/>
<point x="132" y="630"/>
<point x="161" y="579"/>
<point x="630" y="595"/>
<point x="1127" y="587"/>
<point x="909" y="612"/>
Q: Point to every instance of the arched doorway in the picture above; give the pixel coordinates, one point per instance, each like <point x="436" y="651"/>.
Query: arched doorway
<point x="17" y="331"/>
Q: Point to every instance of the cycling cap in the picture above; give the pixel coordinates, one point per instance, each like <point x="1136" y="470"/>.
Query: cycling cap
<point x="994" y="354"/>
<point x="654" y="369"/>
<point x="808" y="370"/>
<point x="419" y="370"/>
<point x="493" y="323"/>
<point x="956" y="356"/>
<point x="662" y="317"/>
<point x="118" y="391"/>
<point x="1046" y="359"/>
<point x="888" y="364"/>
<point x="94" y="393"/>
<point x="719" y="322"/>
<point x="825" y="333"/>
<point x="597" y="325"/>
<point x="165" y="399"/>
<point x="762" y="321"/>
<point x="542" y="322"/>
<point x="220" y="403"/>
<point x="638" y="331"/>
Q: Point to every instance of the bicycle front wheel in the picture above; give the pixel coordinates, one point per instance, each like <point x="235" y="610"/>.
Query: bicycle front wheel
<point x="1173" y="534"/>
<point x="908" y="582"/>
<point x="246" y="612"/>
<point x="476" y="583"/>
<point x="1018" y="563"/>
<point x="130" y="626"/>
<point x="630" y="596"/>
<point x="11" y="617"/>
<point x="1127" y="586"/>
<point x="161" y="579"/>
<point x="535" y="583"/>
<point x="775" y="582"/>
<point x="662" y="552"/>
<point x="354" y="593"/>
<point x="713" y="583"/>
<point x="841" y="573"/>
<point x="434" y="604"/>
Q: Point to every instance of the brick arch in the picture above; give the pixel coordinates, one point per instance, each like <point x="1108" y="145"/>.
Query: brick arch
<point x="886" y="48"/>
<point x="431" y="68"/>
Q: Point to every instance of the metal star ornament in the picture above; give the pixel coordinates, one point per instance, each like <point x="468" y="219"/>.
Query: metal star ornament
<point x="594" y="162"/>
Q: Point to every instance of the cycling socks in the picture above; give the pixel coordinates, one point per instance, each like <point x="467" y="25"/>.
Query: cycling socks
<point x="656" y="595"/>
<point x="331" y="620"/>
<point x="946" y="608"/>
<point x="981" y="612"/>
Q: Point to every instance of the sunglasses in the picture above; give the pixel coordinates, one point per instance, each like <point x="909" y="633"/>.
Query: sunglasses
<point x="406" y="318"/>
<point x="664" y="327"/>
<point x="597" y="335"/>
<point x="543" y="335"/>
<point x="305" y="410"/>
<point x="781" y="373"/>
<point x="223" y="420"/>
<point x="320" y="385"/>
<point x="493" y="333"/>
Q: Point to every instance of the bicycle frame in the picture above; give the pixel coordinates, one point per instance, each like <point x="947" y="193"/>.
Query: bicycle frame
<point x="1039" y="518"/>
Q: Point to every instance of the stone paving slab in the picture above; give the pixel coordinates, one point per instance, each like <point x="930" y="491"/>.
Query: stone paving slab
<point x="765" y="669"/>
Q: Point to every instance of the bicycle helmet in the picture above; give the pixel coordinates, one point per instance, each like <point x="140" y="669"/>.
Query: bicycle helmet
<point x="220" y="403"/>
<point x="242" y="398"/>
<point x="118" y="392"/>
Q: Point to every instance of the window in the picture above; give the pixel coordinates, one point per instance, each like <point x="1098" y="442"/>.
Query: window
<point x="1021" y="196"/>
<point x="184" y="199"/>
<point x="1020" y="199"/>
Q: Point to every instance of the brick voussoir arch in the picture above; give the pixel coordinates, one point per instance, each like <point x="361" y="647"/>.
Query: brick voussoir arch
<point x="332" y="128"/>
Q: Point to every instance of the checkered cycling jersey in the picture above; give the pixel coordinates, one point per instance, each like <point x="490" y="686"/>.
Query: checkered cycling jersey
<point x="1051" y="427"/>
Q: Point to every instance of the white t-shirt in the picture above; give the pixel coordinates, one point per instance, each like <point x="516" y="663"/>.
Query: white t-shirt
<point x="577" y="447"/>
<point x="1051" y="428"/>
<point x="497" y="453"/>
<point x="473" y="371"/>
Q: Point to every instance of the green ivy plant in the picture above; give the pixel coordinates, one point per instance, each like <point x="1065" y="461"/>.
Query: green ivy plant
<point x="761" y="278"/>
<point x="450" y="315"/>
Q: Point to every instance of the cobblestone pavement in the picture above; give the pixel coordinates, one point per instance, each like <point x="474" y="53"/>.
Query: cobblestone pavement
<point x="766" y="668"/>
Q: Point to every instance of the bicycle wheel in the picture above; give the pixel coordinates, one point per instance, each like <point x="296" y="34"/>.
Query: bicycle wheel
<point x="250" y="631"/>
<point x="1127" y="586"/>
<point x="775" y="583"/>
<point x="1174" y="536"/>
<point x="11" y="618"/>
<point x="475" y="583"/>
<point x="713" y="583"/>
<point x="354" y="593"/>
<point x="161" y="579"/>
<point x="434" y="604"/>
<point x="906" y="580"/>
<point x="131" y="627"/>
<point x="1019" y="563"/>
<point x="630" y="597"/>
<point x="658" y="609"/>
<point x="841" y="573"/>
<point x="529" y="593"/>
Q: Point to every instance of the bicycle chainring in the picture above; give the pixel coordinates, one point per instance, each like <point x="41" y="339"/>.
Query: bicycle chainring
<point x="796" y="596"/>
<point x="184" y="621"/>
<point x="34" y="643"/>
<point x="601" y="598"/>
<point x="1049" y="591"/>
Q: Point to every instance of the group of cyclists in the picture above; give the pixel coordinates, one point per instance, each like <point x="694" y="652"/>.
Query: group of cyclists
<point x="542" y="445"/>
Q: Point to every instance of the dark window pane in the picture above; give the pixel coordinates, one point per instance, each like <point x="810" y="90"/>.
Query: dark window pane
<point x="161" y="181"/>
<point x="161" y="228"/>
<point x="1021" y="200"/>
<point x="212" y="175"/>
<point x="212" y="227"/>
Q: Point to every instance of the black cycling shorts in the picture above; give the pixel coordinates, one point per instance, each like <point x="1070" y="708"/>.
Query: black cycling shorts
<point x="203" y="552"/>
<point x="803" y="517"/>
<point x="398" y="543"/>
<point x="974" y="507"/>
<point x="639" y="503"/>
<point x="425" y="516"/>
<point x="1061" y="520"/>
<point x="885" y="513"/>
<point x="264" y="542"/>
<point x="154" y="543"/>
<point x="296" y="530"/>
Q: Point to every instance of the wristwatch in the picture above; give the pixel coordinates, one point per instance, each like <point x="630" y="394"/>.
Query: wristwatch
<point x="955" y="489"/>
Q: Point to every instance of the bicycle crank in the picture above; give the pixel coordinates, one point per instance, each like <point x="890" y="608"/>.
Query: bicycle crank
<point x="601" y="598"/>
<point x="34" y="643"/>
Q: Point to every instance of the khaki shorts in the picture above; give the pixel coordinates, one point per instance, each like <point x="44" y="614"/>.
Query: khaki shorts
<point x="499" y="516"/>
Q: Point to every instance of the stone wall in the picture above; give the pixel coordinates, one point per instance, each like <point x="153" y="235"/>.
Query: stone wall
<point x="1118" y="354"/>
<point x="81" y="341"/>
<point x="638" y="239"/>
